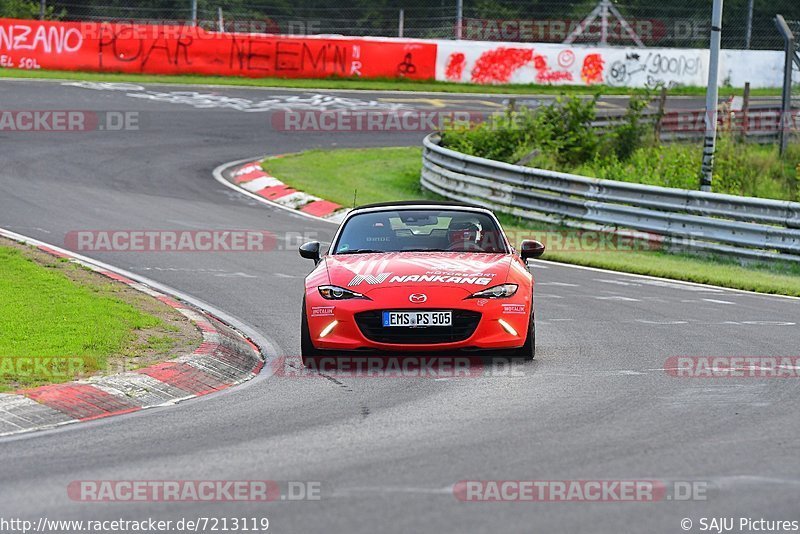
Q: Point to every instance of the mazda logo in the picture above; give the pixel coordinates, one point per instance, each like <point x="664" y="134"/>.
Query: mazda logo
<point x="417" y="298"/>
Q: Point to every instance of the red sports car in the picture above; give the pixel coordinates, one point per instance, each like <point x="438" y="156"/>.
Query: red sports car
<point x="419" y="276"/>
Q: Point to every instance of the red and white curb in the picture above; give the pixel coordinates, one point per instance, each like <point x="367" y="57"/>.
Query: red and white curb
<point x="252" y="178"/>
<point x="224" y="358"/>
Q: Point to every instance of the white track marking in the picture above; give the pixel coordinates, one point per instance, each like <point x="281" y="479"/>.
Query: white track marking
<point x="645" y="321"/>
<point x="715" y="301"/>
<point x="674" y="284"/>
<point x="768" y="323"/>
<point x="617" y="282"/>
<point x="235" y="275"/>
<point x="9" y="226"/>
<point x="664" y="281"/>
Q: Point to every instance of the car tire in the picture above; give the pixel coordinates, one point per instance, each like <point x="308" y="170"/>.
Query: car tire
<point x="308" y="351"/>
<point x="527" y="351"/>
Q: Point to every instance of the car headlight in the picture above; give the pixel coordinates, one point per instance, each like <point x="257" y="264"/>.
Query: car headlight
<point x="496" y="292"/>
<point x="339" y="293"/>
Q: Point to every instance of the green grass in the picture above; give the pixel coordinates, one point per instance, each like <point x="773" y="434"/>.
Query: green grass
<point x="161" y="342"/>
<point x="370" y="174"/>
<point x="385" y="174"/>
<point x="44" y="314"/>
<point x="718" y="272"/>
<point x="357" y="84"/>
<point x="746" y="169"/>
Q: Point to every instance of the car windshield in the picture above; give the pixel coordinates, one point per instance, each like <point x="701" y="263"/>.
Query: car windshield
<point x="425" y="230"/>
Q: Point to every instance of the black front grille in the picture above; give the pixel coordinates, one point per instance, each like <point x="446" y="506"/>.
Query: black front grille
<point x="464" y="324"/>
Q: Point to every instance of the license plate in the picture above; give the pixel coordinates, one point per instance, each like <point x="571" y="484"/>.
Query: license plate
<point x="417" y="318"/>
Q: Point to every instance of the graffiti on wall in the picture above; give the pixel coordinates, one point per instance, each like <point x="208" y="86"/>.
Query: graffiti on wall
<point x="160" y="49"/>
<point x="654" y="68"/>
<point x="487" y="63"/>
<point x="525" y="65"/>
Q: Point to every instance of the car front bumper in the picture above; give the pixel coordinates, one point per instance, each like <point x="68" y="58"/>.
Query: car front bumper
<point x="334" y="324"/>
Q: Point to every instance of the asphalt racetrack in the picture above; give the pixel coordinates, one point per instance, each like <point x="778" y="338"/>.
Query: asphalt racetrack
<point x="596" y="404"/>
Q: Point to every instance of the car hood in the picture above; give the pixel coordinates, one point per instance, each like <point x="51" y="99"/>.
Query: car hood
<point x="469" y="271"/>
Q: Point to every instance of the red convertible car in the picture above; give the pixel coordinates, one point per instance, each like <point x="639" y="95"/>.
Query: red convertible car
<point x="419" y="276"/>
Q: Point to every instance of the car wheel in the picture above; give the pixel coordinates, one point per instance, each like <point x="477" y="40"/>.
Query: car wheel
<point x="308" y="351"/>
<point x="528" y="350"/>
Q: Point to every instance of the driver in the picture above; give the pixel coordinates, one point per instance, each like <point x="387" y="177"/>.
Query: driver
<point x="463" y="235"/>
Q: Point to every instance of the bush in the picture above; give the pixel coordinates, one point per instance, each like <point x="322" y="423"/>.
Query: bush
<point x="739" y="168"/>
<point x="504" y="137"/>
<point x="27" y="9"/>
<point x="564" y="130"/>
<point x="560" y="137"/>
<point x="628" y="136"/>
<point x="669" y="166"/>
<point x="755" y="170"/>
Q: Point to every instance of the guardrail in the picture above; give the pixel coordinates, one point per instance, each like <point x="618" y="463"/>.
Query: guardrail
<point x="748" y="228"/>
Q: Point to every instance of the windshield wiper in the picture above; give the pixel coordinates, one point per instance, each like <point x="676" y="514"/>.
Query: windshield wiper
<point x="446" y="250"/>
<point x="361" y="251"/>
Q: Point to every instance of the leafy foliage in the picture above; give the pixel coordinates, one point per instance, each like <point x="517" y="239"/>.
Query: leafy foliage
<point x="562" y="129"/>
<point x="27" y="9"/>
<point x="560" y="137"/>
<point x="629" y="135"/>
<point x="504" y="137"/>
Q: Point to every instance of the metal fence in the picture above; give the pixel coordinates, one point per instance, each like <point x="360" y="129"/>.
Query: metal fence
<point x="671" y="23"/>
<point x="748" y="228"/>
<point x="760" y="124"/>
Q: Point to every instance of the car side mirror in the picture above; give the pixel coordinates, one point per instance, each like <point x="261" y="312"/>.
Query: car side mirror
<point x="310" y="251"/>
<point x="530" y="249"/>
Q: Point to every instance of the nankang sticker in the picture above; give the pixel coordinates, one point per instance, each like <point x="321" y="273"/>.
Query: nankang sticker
<point x="478" y="281"/>
<point x="513" y="308"/>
